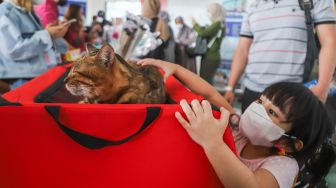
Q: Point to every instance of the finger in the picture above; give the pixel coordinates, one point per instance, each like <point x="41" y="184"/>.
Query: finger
<point x="142" y="61"/>
<point x="182" y="121"/>
<point x="225" y="115"/>
<point x="187" y="110"/>
<point x="196" y="106"/>
<point x="145" y="62"/>
<point x="207" y="107"/>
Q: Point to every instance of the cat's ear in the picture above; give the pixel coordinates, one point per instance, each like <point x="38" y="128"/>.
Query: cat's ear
<point x="106" y="55"/>
<point x="91" y="50"/>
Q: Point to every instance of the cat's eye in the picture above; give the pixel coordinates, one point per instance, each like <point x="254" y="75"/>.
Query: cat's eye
<point x="82" y="74"/>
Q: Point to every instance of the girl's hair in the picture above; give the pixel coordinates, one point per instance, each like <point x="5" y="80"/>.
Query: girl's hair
<point x="310" y="123"/>
<point x="74" y="12"/>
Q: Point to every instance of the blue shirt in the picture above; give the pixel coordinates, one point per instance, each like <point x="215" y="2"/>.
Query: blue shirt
<point x="26" y="50"/>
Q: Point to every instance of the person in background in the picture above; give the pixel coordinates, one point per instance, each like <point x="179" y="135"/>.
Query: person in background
<point x="48" y="11"/>
<point x="101" y="18"/>
<point x="94" y="20"/>
<point x="216" y="31"/>
<point x="169" y="47"/>
<point x="273" y="45"/>
<point x="150" y="10"/>
<point x="184" y="38"/>
<point x="94" y="37"/>
<point x="27" y="50"/>
<point x="75" y="36"/>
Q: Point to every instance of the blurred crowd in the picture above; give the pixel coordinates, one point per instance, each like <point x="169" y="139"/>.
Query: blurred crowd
<point x="53" y="41"/>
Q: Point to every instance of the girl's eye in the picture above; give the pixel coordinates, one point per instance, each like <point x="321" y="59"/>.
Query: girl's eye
<point x="273" y="113"/>
<point x="259" y="101"/>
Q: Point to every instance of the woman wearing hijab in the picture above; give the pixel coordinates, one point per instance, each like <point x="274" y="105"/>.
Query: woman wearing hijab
<point x="216" y="32"/>
<point x="150" y="10"/>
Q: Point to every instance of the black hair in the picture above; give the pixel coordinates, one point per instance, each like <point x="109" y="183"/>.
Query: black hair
<point x="62" y="3"/>
<point x="310" y="123"/>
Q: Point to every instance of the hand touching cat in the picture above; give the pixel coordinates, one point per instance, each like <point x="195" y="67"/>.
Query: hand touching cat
<point x="168" y="68"/>
<point x="201" y="125"/>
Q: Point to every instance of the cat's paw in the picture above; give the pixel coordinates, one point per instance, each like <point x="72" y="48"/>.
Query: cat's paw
<point x="82" y="102"/>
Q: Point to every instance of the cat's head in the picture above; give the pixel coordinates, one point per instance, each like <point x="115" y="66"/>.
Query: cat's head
<point x="93" y="77"/>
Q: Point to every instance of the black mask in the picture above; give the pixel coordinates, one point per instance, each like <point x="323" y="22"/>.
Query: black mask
<point x="62" y="3"/>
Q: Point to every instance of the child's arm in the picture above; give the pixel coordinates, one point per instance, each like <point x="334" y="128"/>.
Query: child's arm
<point x="192" y="81"/>
<point x="208" y="131"/>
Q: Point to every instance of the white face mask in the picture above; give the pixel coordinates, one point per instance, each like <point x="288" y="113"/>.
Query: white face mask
<point x="100" y="20"/>
<point x="179" y="26"/>
<point x="37" y="2"/>
<point x="258" y="127"/>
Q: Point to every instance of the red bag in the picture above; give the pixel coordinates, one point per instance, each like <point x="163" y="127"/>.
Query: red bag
<point x="105" y="145"/>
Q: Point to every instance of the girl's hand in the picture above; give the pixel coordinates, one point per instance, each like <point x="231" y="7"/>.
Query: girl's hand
<point x="201" y="125"/>
<point x="168" y="68"/>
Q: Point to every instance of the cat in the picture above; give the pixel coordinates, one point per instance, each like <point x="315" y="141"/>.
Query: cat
<point x="103" y="77"/>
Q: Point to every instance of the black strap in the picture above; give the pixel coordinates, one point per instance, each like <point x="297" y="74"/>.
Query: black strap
<point x="44" y="96"/>
<point x="92" y="142"/>
<point x="153" y="24"/>
<point x="4" y="102"/>
<point x="312" y="48"/>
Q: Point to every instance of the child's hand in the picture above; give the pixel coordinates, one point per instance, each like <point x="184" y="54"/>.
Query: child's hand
<point x="168" y="68"/>
<point x="201" y="126"/>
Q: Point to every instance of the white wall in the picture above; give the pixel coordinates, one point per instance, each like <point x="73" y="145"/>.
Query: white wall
<point x="93" y="6"/>
<point x="184" y="8"/>
<point x="190" y="8"/>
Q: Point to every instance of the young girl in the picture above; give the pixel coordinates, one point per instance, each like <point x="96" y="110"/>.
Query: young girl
<point x="286" y="128"/>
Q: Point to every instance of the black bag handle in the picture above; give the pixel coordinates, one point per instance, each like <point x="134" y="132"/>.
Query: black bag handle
<point x="312" y="47"/>
<point x="4" y="102"/>
<point x="92" y="142"/>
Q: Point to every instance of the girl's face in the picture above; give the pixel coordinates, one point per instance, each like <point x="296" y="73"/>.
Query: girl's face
<point x="277" y="116"/>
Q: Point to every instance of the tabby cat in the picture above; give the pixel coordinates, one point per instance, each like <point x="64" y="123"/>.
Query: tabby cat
<point x="102" y="76"/>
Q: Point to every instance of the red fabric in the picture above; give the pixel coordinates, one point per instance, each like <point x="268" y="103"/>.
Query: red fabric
<point x="27" y="92"/>
<point x="34" y="152"/>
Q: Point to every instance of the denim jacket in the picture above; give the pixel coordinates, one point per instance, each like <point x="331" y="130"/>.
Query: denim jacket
<point x="26" y="50"/>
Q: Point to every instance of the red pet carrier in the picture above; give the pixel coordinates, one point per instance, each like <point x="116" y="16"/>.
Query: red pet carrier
<point x="47" y="140"/>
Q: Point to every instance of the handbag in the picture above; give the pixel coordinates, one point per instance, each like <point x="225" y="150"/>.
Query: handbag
<point x="200" y="46"/>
